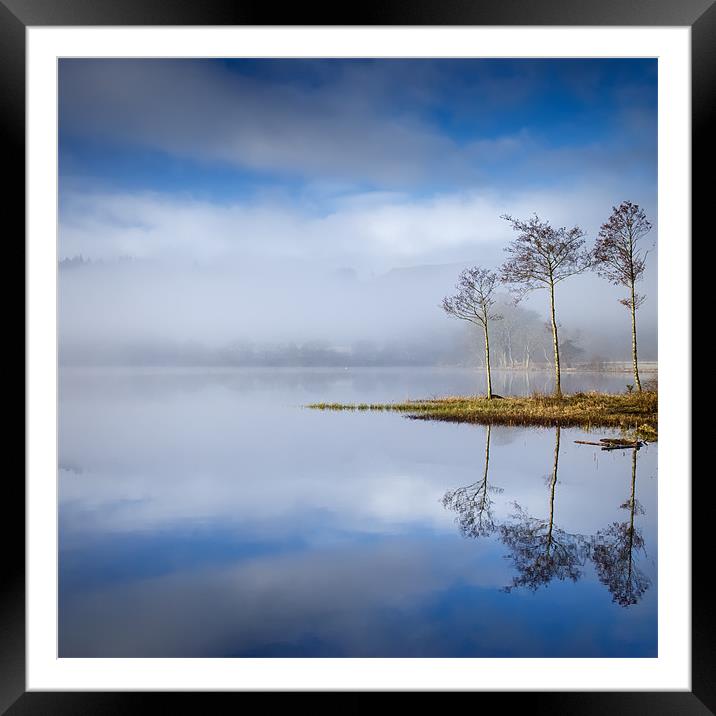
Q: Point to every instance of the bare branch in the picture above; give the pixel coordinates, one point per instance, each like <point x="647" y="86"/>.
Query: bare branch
<point x="474" y="298"/>
<point x="541" y="255"/>
<point x="617" y="255"/>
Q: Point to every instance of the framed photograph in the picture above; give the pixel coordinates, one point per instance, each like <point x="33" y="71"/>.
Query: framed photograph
<point x="345" y="343"/>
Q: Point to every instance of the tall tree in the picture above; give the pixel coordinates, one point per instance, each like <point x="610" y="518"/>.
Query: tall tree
<point x="473" y="302"/>
<point x="618" y="257"/>
<point x="541" y="257"/>
<point x="539" y="550"/>
<point x="615" y="549"/>
<point x="473" y="503"/>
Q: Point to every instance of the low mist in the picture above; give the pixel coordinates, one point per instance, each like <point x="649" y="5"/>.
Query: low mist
<point x="144" y="312"/>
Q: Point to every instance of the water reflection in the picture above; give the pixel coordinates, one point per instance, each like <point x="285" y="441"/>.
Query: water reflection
<point x="473" y="503"/>
<point x="540" y="551"/>
<point x="210" y="515"/>
<point x="616" y="550"/>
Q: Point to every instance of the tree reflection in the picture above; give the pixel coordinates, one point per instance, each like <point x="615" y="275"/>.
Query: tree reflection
<point x="473" y="503"/>
<point x="539" y="550"/>
<point x="615" y="549"/>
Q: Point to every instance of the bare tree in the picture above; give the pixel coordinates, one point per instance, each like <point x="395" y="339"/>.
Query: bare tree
<point x="473" y="302"/>
<point x="618" y="258"/>
<point x="539" y="550"/>
<point x="473" y="503"/>
<point x="615" y="549"/>
<point x="541" y="257"/>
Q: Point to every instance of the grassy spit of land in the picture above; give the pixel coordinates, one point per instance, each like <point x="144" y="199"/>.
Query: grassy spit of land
<point x="633" y="412"/>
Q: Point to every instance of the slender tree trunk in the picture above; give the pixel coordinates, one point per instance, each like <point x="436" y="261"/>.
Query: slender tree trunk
<point x="487" y="456"/>
<point x="483" y="501"/>
<point x="487" y="361"/>
<point x="633" y="340"/>
<point x="632" y="509"/>
<point x="555" y="340"/>
<point x="552" y="486"/>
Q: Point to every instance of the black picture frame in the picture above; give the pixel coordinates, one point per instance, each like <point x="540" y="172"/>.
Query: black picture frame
<point x="16" y="15"/>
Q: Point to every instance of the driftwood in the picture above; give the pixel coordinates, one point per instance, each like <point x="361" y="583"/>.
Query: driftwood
<point x="613" y="443"/>
<point x="622" y="446"/>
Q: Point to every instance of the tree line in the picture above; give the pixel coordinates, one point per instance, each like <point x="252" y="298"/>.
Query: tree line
<point x="541" y="257"/>
<point x="523" y="339"/>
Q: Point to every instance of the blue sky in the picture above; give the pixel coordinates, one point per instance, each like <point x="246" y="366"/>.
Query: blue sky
<point x="235" y="130"/>
<point x="280" y="173"/>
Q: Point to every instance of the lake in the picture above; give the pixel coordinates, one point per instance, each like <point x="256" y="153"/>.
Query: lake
<point x="205" y="513"/>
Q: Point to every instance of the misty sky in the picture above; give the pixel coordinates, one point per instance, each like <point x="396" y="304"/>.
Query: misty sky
<point x="270" y="176"/>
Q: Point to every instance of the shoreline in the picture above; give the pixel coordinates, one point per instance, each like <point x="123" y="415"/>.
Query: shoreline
<point x="635" y="413"/>
<point x="214" y="366"/>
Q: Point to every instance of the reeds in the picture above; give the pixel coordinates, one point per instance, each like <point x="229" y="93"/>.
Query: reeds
<point x="637" y="412"/>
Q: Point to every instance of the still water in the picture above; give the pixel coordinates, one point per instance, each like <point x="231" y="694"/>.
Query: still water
<point x="206" y="513"/>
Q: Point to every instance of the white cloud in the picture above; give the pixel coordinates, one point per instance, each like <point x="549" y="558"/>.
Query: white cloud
<point x="373" y="231"/>
<point x="268" y="270"/>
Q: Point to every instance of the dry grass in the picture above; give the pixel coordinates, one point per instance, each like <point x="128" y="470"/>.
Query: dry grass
<point x="636" y="412"/>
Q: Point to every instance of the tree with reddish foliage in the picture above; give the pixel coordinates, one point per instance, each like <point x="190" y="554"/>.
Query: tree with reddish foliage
<point x="541" y="257"/>
<point x="618" y="257"/>
<point x="473" y="302"/>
